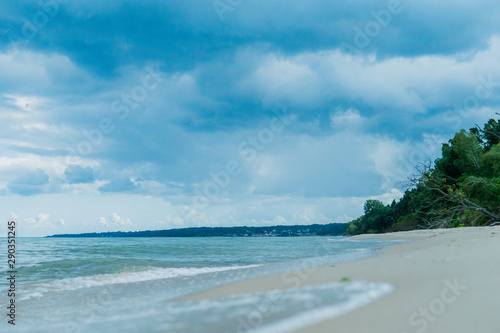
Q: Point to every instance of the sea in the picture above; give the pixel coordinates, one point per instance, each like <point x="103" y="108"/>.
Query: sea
<point x="135" y="284"/>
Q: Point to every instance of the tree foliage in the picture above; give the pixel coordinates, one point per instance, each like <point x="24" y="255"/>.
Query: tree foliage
<point x="462" y="189"/>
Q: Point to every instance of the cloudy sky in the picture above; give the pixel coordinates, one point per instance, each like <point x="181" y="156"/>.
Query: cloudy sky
<point x="134" y="115"/>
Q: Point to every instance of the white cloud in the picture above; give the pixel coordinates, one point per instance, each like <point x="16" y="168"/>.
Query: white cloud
<point x="345" y="118"/>
<point x="286" y="78"/>
<point x="117" y="220"/>
<point x="36" y="72"/>
<point x="413" y="84"/>
<point x="41" y="219"/>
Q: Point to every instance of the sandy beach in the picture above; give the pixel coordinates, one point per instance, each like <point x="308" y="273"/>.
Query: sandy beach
<point x="445" y="280"/>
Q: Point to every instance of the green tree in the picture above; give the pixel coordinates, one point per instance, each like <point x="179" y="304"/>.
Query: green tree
<point x="491" y="133"/>
<point x="491" y="161"/>
<point x="378" y="217"/>
<point x="468" y="151"/>
<point x="463" y="188"/>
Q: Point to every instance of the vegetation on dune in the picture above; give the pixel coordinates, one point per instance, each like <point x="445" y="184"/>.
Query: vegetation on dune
<point x="461" y="189"/>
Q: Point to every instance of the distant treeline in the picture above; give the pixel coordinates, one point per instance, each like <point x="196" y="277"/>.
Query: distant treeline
<point x="461" y="188"/>
<point x="333" y="229"/>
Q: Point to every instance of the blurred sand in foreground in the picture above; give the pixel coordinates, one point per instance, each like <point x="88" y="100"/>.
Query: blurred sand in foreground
<point x="447" y="280"/>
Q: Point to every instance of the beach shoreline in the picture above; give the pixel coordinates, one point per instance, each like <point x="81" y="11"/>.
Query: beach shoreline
<point x="446" y="280"/>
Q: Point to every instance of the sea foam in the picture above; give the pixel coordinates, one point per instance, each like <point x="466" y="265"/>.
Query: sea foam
<point x="41" y="288"/>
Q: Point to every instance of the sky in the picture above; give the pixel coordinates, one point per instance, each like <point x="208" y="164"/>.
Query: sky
<point x="146" y="115"/>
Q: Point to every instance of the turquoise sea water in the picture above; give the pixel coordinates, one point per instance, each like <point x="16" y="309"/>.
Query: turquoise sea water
<point x="131" y="284"/>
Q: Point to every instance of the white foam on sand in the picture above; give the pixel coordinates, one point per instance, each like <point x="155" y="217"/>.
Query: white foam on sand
<point x="273" y="311"/>
<point x="41" y="288"/>
<point x="360" y="293"/>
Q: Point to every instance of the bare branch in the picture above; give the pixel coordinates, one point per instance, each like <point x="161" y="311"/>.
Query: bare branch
<point x="445" y="195"/>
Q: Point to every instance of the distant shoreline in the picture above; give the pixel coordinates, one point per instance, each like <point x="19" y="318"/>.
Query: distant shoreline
<point x="332" y="229"/>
